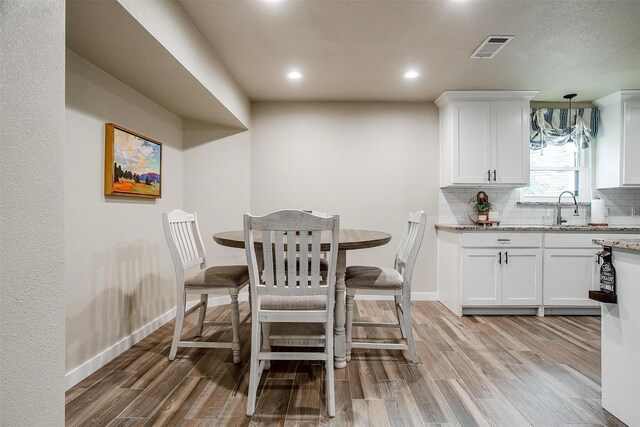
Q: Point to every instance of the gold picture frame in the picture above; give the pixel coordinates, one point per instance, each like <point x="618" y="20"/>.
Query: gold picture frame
<point x="132" y="164"/>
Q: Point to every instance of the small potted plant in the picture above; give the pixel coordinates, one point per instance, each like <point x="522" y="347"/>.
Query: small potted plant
<point x="483" y="209"/>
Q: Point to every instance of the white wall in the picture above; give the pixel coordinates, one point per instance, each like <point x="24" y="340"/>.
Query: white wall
<point x="118" y="269"/>
<point x="216" y="184"/>
<point x="32" y="213"/>
<point x="370" y="162"/>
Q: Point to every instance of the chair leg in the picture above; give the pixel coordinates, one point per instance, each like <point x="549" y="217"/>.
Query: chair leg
<point x="204" y="298"/>
<point x="266" y="345"/>
<point x="398" y="300"/>
<point x="349" y="322"/>
<point x="406" y="310"/>
<point x="254" y="374"/>
<point x="180" y="308"/>
<point x="235" y="324"/>
<point x="330" y="386"/>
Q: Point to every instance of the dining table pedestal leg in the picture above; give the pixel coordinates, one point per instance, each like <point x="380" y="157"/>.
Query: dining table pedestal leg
<point x="340" y="345"/>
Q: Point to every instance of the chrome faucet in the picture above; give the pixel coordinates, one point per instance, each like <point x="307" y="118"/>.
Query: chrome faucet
<point x="559" y="219"/>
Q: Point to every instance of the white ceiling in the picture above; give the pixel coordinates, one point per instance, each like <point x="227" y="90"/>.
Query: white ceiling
<point x="357" y="50"/>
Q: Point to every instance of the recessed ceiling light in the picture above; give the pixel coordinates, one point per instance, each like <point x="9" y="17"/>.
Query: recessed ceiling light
<point x="294" y="75"/>
<point x="411" y="74"/>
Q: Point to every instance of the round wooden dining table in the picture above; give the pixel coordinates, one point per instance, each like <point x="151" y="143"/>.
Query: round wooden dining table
<point x="350" y="239"/>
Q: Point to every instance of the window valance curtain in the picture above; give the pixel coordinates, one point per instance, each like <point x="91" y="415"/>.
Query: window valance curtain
<point x="552" y="126"/>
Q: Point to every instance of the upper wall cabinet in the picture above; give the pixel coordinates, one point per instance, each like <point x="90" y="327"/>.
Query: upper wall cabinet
<point x="484" y="138"/>
<point x="618" y="145"/>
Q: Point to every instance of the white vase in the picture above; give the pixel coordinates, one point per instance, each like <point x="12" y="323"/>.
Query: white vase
<point x="483" y="216"/>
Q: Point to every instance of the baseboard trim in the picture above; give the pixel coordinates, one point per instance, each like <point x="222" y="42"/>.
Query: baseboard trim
<point x="499" y="311"/>
<point x="572" y="311"/>
<point x="415" y="296"/>
<point x="424" y="296"/>
<point x="78" y="374"/>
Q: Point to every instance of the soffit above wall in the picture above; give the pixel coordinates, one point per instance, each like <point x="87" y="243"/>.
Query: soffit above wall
<point x="105" y="34"/>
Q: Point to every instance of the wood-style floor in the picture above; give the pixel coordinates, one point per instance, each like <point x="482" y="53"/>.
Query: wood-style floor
<point x="501" y="371"/>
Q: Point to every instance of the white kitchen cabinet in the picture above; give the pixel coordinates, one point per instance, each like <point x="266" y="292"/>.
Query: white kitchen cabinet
<point x="507" y="272"/>
<point x="510" y="142"/>
<point x="498" y="277"/>
<point x="571" y="267"/>
<point x="484" y="138"/>
<point x="617" y="150"/>
<point x="521" y="271"/>
<point x="481" y="278"/>
<point x="569" y="276"/>
<point x="471" y="142"/>
<point x="490" y="271"/>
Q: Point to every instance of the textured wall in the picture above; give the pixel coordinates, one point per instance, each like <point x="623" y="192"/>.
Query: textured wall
<point x="31" y="212"/>
<point x="118" y="270"/>
<point x="216" y="184"/>
<point x="371" y="162"/>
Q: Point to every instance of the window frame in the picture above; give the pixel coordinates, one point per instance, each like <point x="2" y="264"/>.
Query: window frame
<point x="584" y="169"/>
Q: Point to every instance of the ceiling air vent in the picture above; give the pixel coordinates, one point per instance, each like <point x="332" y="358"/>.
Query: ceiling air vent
<point x="491" y="46"/>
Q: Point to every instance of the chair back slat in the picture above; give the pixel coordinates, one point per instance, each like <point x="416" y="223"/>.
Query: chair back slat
<point x="179" y="241"/>
<point x="267" y="242"/>
<point x="410" y="245"/>
<point x="290" y="238"/>
<point x="304" y="255"/>
<point x="193" y="246"/>
<point x="176" y="240"/>
<point x="291" y="254"/>
<point x="315" y="258"/>
<point x="279" y="256"/>
<point x="409" y="237"/>
<point x="184" y="239"/>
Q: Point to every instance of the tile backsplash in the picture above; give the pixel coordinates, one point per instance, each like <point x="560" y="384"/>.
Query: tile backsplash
<point x="453" y="206"/>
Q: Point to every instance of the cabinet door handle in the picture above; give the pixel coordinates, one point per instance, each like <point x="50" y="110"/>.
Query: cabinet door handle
<point x="597" y="259"/>
<point x="506" y="257"/>
<point x="494" y="174"/>
<point x="499" y="257"/>
<point x="489" y="175"/>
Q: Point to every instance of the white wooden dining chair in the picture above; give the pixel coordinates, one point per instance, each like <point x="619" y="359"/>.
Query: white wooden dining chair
<point x="187" y="251"/>
<point x="287" y="292"/>
<point x="324" y="264"/>
<point x="388" y="281"/>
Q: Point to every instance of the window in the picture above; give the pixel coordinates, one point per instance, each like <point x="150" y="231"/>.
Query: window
<point x="556" y="169"/>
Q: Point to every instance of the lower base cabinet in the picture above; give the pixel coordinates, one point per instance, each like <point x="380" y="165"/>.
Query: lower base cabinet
<point x="481" y="281"/>
<point x="496" y="272"/>
<point x="569" y="274"/>
<point x="522" y="277"/>
<point x="498" y="276"/>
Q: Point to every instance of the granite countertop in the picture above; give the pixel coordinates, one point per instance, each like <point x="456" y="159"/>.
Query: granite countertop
<point x="470" y="227"/>
<point x="633" y="244"/>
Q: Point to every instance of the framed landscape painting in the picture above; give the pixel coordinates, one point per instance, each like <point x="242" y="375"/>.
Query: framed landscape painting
<point x="133" y="164"/>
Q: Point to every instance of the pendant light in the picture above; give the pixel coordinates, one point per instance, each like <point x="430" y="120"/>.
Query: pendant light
<point x="571" y="148"/>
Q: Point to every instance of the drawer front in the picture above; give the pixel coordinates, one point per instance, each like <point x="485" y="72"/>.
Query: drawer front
<point x="492" y="240"/>
<point x="581" y="240"/>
